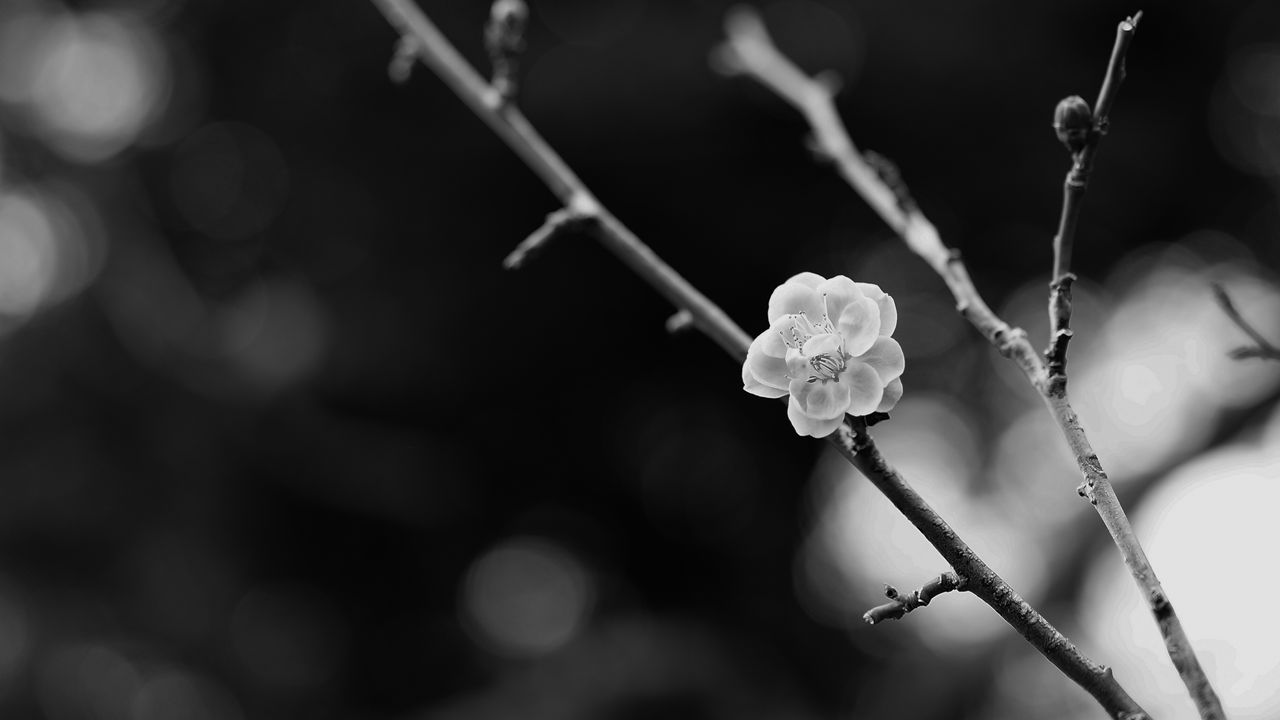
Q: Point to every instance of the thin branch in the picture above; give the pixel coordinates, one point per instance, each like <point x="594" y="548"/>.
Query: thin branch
<point x="750" y="51"/>
<point x="851" y="439"/>
<point x="562" y="221"/>
<point x="506" y="120"/>
<point x="899" y="605"/>
<point x="1083" y="147"/>
<point x="853" y="442"/>
<point x="1262" y="347"/>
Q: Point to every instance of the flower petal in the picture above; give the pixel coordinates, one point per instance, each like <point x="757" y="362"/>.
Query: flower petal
<point x="838" y="292"/>
<point x="860" y="325"/>
<point x="818" y="344"/>
<point x="755" y="387"/>
<point x="793" y="298"/>
<point x="798" y="364"/>
<point x="806" y="425"/>
<point x="807" y="279"/>
<point x="772" y="342"/>
<point x="892" y="394"/>
<point x="888" y="309"/>
<point x="770" y="371"/>
<point x="866" y="390"/>
<point x="886" y="357"/>
<point x="821" y="400"/>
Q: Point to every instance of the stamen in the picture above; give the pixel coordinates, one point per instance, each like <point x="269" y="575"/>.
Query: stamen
<point x="828" y="366"/>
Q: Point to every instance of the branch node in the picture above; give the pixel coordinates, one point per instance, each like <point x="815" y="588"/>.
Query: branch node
<point x="1085" y="490"/>
<point x="901" y="604"/>
<point x="402" y="59"/>
<point x="504" y="39"/>
<point x="889" y="174"/>
<point x="1160" y="605"/>
<point x="1073" y="123"/>
<point x="1060" y="325"/>
<point x="679" y="322"/>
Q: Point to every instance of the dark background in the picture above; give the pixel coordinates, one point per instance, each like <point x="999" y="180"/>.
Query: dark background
<point x="253" y="462"/>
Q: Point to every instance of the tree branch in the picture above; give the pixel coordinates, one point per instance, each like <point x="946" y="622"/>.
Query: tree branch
<point x="853" y="442"/>
<point x="851" y="439"/>
<point x="749" y="50"/>
<point x="899" y="605"/>
<point x="1071" y="113"/>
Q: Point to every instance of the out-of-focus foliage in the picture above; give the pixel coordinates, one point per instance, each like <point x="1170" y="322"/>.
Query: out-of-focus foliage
<point x="279" y="438"/>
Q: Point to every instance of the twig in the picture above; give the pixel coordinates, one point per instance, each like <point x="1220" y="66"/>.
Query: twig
<point x="1080" y="131"/>
<point x="899" y="605"/>
<point x="750" y="51"/>
<point x="853" y="442"/>
<point x="506" y="120"/>
<point x="1262" y="347"/>
<point x="564" y="220"/>
<point x="851" y="439"/>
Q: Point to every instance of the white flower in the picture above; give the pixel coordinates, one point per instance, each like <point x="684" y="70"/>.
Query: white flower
<point x="828" y="346"/>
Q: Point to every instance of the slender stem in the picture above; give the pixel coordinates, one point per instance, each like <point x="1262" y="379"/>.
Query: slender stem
<point x="851" y="439"/>
<point x="749" y="50"/>
<point x="899" y="605"/>
<point x="1073" y="189"/>
<point x="506" y="120"/>
<point x="856" y="446"/>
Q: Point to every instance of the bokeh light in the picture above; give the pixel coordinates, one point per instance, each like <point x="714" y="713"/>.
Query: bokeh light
<point x="289" y="638"/>
<point x="89" y="83"/>
<point x="48" y="250"/>
<point x="526" y="597"/>
<point x="229" y="180"/>
<point x="87" y="680"/>
<point x="275" y="333"/>
<point x="172" y="692"/>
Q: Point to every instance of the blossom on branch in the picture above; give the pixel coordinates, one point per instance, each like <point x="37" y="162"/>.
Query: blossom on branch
<point x="829" y="348"/>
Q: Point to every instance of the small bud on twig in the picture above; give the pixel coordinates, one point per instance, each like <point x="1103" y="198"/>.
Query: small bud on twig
<point x="900" y="604"/>
<point x="402" y="59"/>
<point x="504" y="39"/>
<point x="679" y="322"/>
<point x="1073" y="122"/>
<point x="889" y="174"/>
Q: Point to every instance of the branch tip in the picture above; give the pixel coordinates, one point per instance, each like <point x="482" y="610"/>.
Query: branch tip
<point x="901" y="604"/>
<point x="561" y="221"/>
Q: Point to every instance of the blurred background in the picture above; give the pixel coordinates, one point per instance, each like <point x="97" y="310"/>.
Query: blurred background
<point x="281" y="439"/>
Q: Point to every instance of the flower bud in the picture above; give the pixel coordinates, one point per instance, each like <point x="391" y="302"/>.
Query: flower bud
<point x="506" y="25"/>
<point x="504" y="38"/>
<point x="1073" y="122"/>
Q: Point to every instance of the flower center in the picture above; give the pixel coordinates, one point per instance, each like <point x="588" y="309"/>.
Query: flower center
<point x="828" y="366"/>
<point x="828" y="359"/>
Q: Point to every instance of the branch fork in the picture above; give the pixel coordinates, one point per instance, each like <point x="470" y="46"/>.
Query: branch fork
<point x="752" y="53"/>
